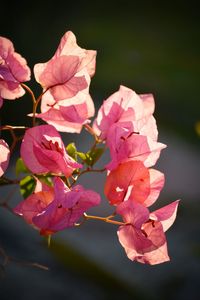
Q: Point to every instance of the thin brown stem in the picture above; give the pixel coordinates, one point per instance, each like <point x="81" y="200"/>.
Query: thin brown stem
<point x="35" y="105"/>
<point x="29" y="91"/>
<point x="104" y="219"/>
<point x="13" y="135"/>
<point x="8" y="259"/>
<point x="91" y="131"/>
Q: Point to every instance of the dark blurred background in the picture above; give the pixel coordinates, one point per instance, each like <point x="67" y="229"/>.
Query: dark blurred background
<point x="149" y="46"/>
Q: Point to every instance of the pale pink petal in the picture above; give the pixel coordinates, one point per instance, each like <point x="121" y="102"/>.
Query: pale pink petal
<point x="68" y="46"/>
<point x="157" y="181"/>
<point x="143" y="240"/>
<point x="149" y="104"/>
<point x="129" y="180"/>
<point x="60" y="76"/>
<point x="166" y="215"/>
<point x="4" y="156"/>
<point x="65" y="75"/>
<point x="129" y="146"/>
<point x="147" y="126"/>
<point x="158" y="253"/>
<point x="123" y="106"/>
<point x="68" y="115"/>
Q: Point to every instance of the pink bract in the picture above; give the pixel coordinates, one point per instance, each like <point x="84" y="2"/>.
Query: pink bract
<point x="143" y="238"/>
<point x="67" y="115"/>
<point x="36" y="202"/>
<point x="126" y="146"/>
<point x="125" y="107"/>
<point x="132" y="180"/>
<point x="4" y="156"/>
<point x="43" y="151"/>
<point x="65" y="74"/>
<point x="13" y="71"/>
<point x="66" y="208"/>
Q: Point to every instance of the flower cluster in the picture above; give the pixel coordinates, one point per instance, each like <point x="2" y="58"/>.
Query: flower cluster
<point x="124" y="124"/>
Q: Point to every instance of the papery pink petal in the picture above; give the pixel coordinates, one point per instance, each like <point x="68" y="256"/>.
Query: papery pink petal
<point x="67" y="115"/>
<point x="68" y="46"/>
<point x="13" y="71"/>
<point x="147" y="126"/>
<point x="123" y="106"/>
<point x="4" y="156"/>
<point x="134" y="242"/>
<point x="129" y="146"/>
<point x="66" y="209"/>
<point x="158" y="253"/>
<point x="149" y="103"/>
<point x="133" y="212"/>
<point x="43" y="151"/>
<point x="129" y="180"/>
<point x="157" y="181"/>
<point x="60" y="77"/>
<point x="166" y="215"/>
<point x="35" y="203"/>
<point x="142" y="239"/>
<point x="65" y="75"/>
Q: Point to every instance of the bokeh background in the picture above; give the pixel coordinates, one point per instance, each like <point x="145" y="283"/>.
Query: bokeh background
<point x="149" y="46"/>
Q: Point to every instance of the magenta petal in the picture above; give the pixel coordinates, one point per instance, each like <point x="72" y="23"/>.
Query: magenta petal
<point x="4" y="156"/>
<point x="13" y="71"/>
<point x="66" y="208"/>
<point x="43" y="151"/>
<point x="35" y="203"/>
<point x="133" y="212"/>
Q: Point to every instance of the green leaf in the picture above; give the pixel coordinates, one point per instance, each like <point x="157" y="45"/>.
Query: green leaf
<point x="94" y="155"/>
<point x="82" y="156"/>
<point x="45" y="179"/>
<point x="27" y="186"/>
<point x="72" y="151"/>
<point x="20" y="167"/>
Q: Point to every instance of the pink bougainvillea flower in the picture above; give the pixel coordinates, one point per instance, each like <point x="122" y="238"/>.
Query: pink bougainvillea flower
<point x="143" y="235"/>
<point x="66" y="73"/>
<point x="43" y="151"/>
<point x="36" y="202"/>
<point x="132" y="180"/>
<point x="13" y="71"/>
<point x="132" y="111"/>
<point x="4" y="156"/>
<point x="129" y="146"/>
<point x="66" y="208"/>
<point x="67" y="115"/>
